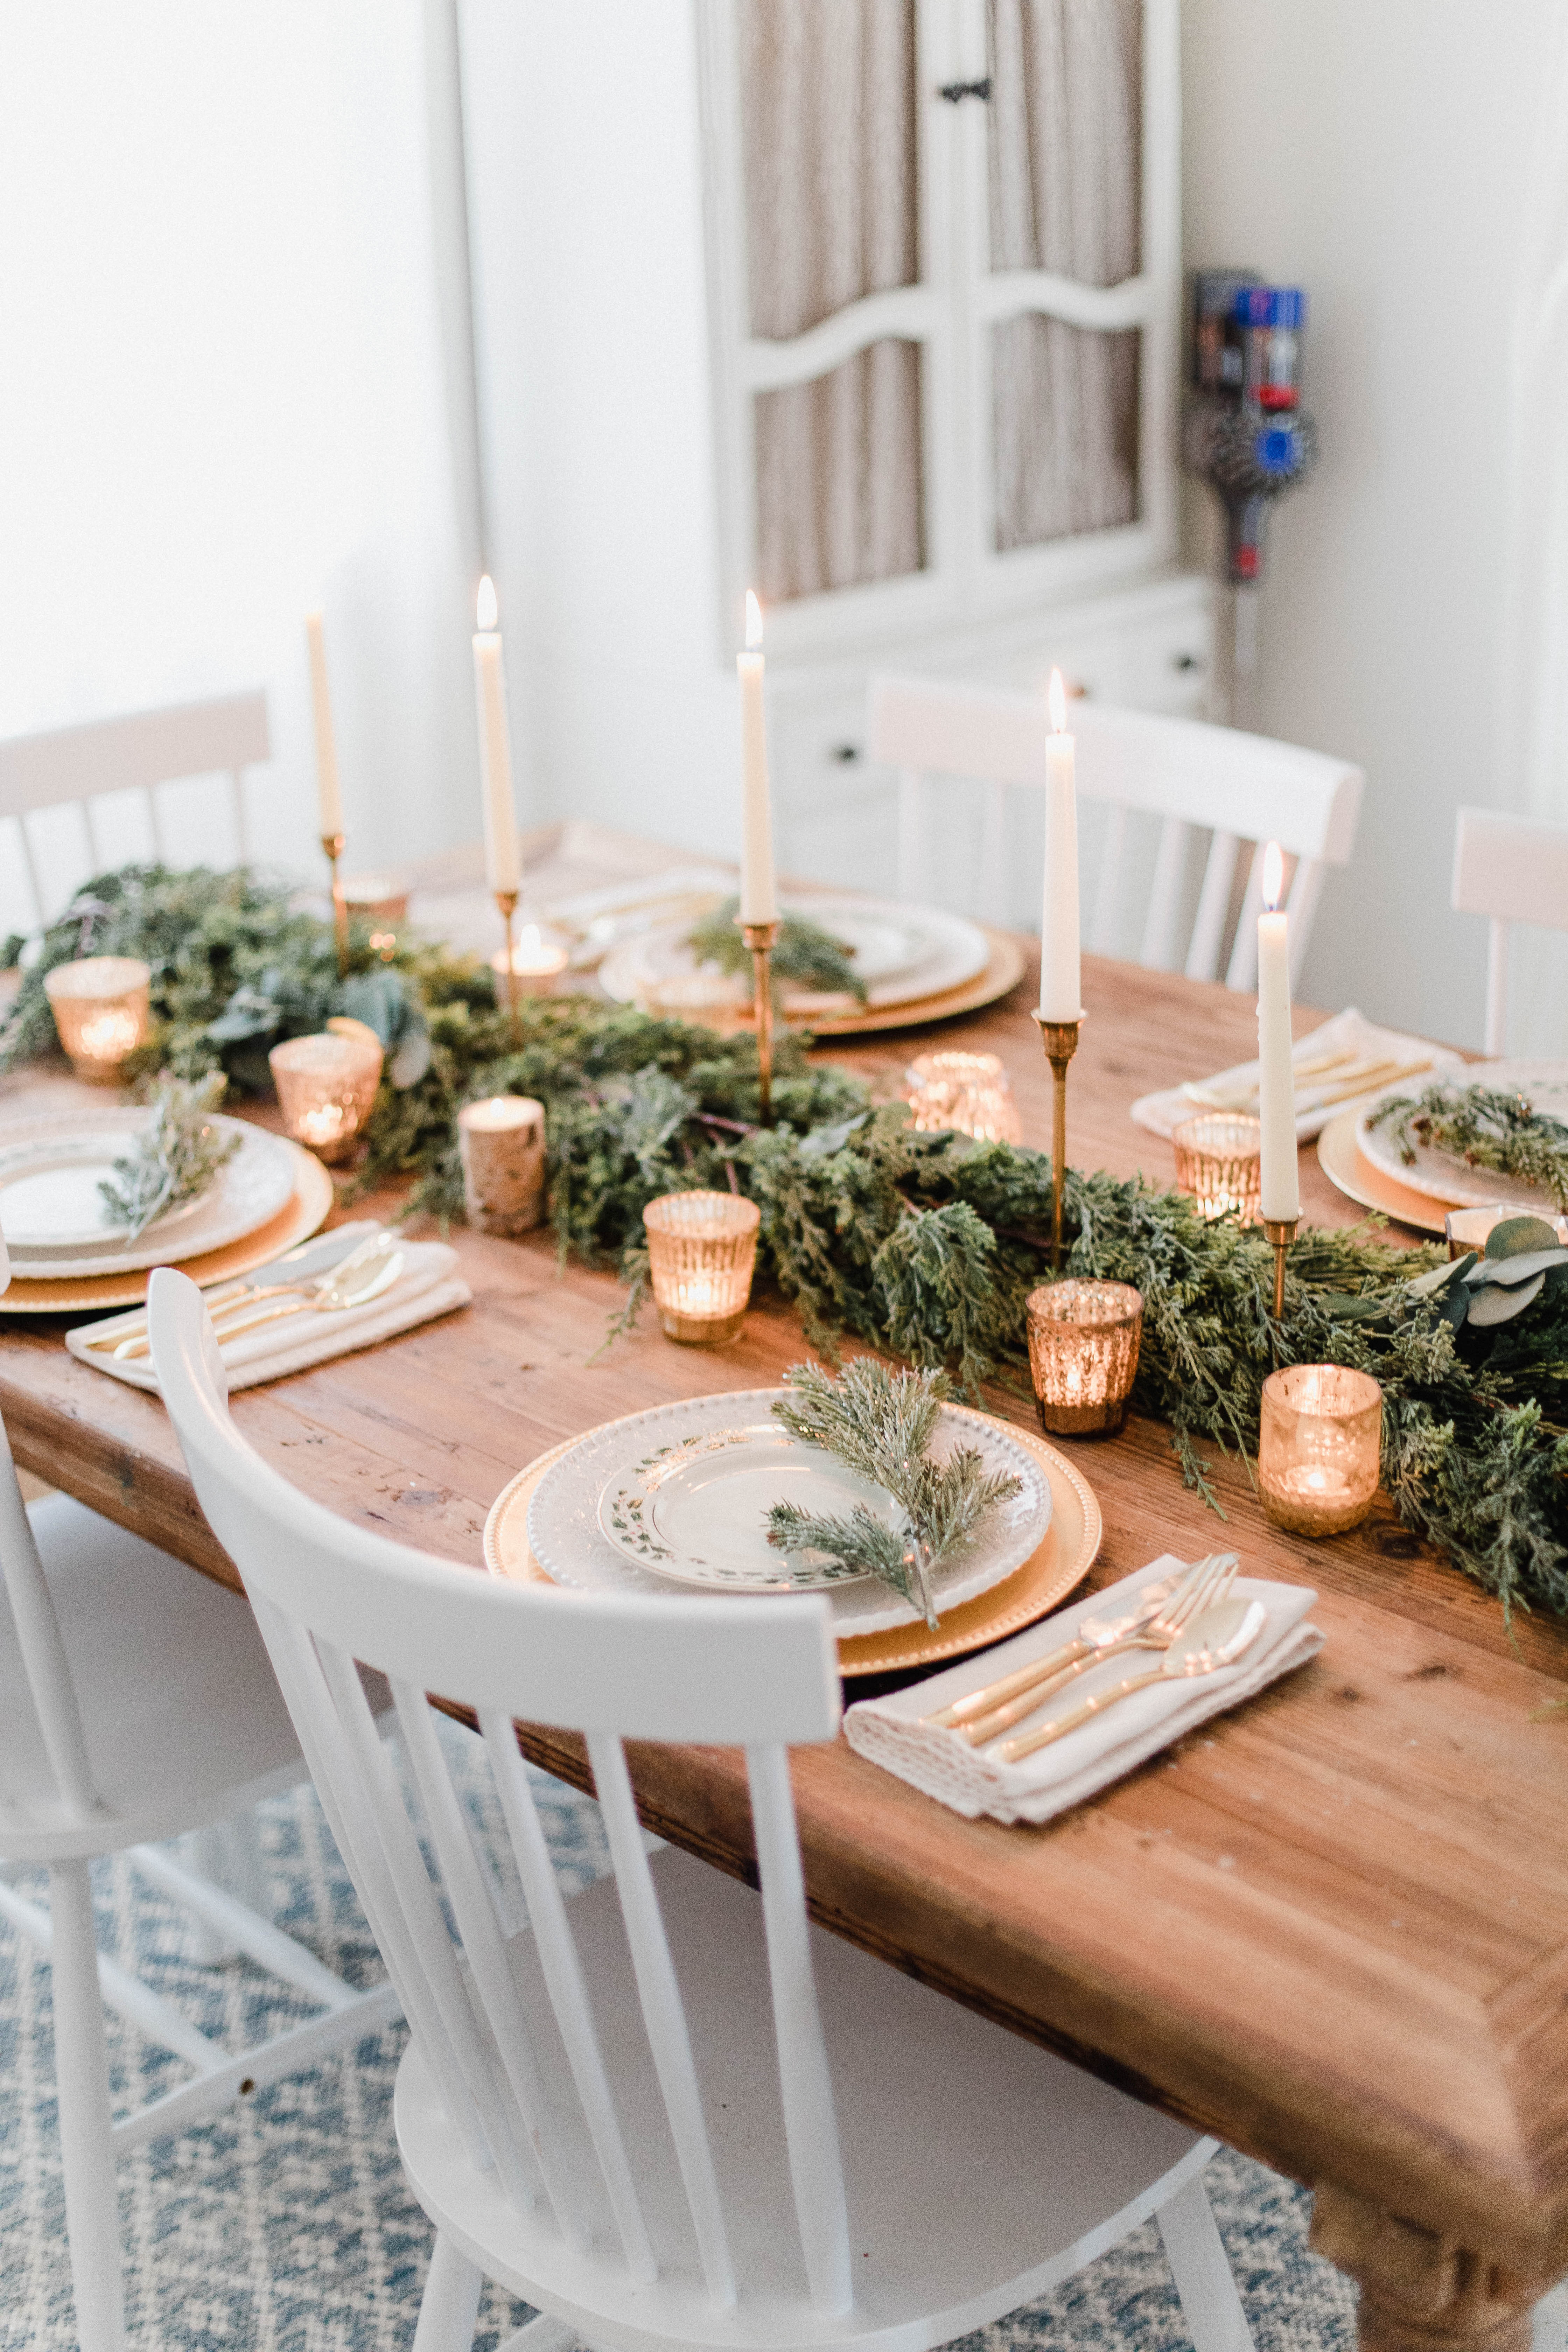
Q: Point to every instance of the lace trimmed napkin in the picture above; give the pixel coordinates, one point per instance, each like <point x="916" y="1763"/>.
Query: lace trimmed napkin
<point x="428" y="1286"/>
<point x="890" y="1732"/>
<point x="1350" y="1033"/>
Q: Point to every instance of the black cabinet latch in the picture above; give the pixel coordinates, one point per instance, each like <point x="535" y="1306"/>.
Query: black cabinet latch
<point x="955" y="90"/>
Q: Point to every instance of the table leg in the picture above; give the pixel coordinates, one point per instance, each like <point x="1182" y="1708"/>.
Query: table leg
<point x="1420" y="2292"/>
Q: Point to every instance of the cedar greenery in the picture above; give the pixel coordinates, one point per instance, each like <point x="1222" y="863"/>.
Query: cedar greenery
<point x="805" y="952"/>
<point x="923" y="1246"/>
<point x="880" y="1424"/>
<point x="175" y="1157"/>
<point x="1485" y="1128"/>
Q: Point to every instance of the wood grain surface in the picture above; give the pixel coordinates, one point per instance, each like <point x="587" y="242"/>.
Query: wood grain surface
<point x="1331" y="1928"/>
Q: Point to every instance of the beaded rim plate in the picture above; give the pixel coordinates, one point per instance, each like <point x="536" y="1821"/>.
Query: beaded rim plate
<point x="299" y="1218"/>
<point x="712" y="1532"/>
<point x="1058" y="1563"/>
<point x="68" y="1154"/>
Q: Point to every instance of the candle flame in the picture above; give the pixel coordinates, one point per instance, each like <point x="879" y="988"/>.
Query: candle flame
<point x="488" y="612"/>
<point x="1057" y="699"/>
<point x="1273" y="875"/>
<point x="753" y="621"/>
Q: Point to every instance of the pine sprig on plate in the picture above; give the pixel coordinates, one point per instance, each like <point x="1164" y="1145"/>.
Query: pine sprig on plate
<point x="1485" y="1128"/>
<point x="880" y="1424"/>
<point x="178" y="1154"/>
<point x="805" y="953"/>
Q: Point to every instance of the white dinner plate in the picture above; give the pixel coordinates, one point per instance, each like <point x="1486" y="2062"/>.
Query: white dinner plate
<point x="677" y="1496"/>
<point x="51" y="1170"/>
<point x="899" y="952"/>
<point x="1442" y="1175"/>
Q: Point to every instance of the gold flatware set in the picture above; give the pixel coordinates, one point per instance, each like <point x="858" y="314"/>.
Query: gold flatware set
<point x="1334" y="1078"/>
<point x="362" y="1275"/>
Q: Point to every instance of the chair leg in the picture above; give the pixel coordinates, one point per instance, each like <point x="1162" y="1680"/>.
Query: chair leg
<point x="208" y="1854"/>
<point x="81" y="2071"/>
<point x="250" y="1866"/>
<point x="451" y="2303"/>
<point x="1203" y="2271"/>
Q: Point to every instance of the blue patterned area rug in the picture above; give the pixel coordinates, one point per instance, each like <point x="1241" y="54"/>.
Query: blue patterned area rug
<point x="284" y="2224"/>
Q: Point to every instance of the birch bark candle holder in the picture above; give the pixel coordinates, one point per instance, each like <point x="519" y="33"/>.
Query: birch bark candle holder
<point x="1318" y="1447"/>
<point x="701" y="1249"/>
<point x="102" y="1010"/>
<point x="1084" y="1338"/>
<point x="501" y="1142"/>
<point x="1219" y="1161"/>
<point x="967" y="1093"/>
<point x="326" y="1085"/>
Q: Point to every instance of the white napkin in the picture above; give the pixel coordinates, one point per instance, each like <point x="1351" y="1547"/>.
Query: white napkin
<point x="1349" y="1032"/>
<point x="428" y="1286"/>
<point x="890" y="1732"/>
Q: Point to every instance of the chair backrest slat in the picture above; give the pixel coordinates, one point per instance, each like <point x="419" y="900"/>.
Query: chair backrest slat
<point x="326" y="1593"/>
<point x="659" y="1990"/>
<point x="1512" y="869"/>
<point x="45" y="1663"/>
<point x="563" y="1977"/>
<point x="1188" y="777"/>
<point x="481" y="1938"/>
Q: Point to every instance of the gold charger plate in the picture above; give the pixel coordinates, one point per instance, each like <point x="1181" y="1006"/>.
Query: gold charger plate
<point x="295" y="1222"/>
<point x="1004" y="969"/>
<point x="1065" y="1557"/>
<point x="1347" y="1166"/>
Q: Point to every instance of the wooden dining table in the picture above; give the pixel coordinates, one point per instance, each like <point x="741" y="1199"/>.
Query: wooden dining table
<point x="1330" y="1927"/>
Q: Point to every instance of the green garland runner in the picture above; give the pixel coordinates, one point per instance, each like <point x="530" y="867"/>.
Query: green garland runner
<point x="925" y="1245"/>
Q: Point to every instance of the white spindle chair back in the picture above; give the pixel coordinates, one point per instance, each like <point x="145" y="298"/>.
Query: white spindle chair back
<point x="1512" y="870"/>
<point x="137" y="752"/>
<point x="757" y="1674"/>
<point x="1242" y="791"/>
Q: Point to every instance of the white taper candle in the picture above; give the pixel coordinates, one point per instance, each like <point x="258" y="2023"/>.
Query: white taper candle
<point x="1276" y="1075"/>
<point x="759" y="896"/>
<point x="1061" y="980"/>
<point x="328" y="795"/>
<point x="502" y="864"/>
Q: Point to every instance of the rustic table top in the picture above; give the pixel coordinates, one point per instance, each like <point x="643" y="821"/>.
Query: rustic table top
<point x="1332" y="1928"/>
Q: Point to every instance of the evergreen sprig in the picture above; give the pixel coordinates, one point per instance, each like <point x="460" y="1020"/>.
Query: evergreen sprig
<point x="177" y="1155"/>
<point x="1485" y="1128"/>
<point x="879" y="1424"/>
<point x="805" y="953"/>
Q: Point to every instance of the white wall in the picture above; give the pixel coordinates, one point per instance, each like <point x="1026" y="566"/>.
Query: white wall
<point x="1380" y="156"/>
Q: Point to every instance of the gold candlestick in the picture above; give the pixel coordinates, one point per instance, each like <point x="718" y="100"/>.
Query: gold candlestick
<point x="1060" y="1041"/>
<point x="761" y="939"/>
<point x="332" y="845"/>
<point x="1280" y="1233"/>
<point x="507" y="902"/>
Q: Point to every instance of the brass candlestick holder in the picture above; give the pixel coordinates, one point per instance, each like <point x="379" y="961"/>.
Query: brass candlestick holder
<point x="333" y="848"/>
<point x="761" y="939"/>
<point x="1280" y="1233"/>
<point x="1059" y="1039"/>
<point x="506" y="900"/>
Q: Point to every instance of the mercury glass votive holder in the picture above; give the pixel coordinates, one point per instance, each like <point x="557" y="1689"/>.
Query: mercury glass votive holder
<point x="701" y="1248"/>
<point x="326" y="1085"/>
<point x="1219" y="1162"/>
<point x="102" y="1010"/>
<point x="1318" y="1447"/>
<point x="968" y="1093"/>
<point x="1469" y="1229"/>
<point x="381" y="902"/>
<point x="1083" y="1354"/>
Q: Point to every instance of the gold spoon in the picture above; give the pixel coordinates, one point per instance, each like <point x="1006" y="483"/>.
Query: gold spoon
<point x="372" y="1250"/>
<point x="332" y="1299"/>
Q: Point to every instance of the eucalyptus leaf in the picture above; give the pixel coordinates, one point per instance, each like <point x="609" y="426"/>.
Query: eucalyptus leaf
<point x="1520" y="1268"/>
<point x="1515" y="1236"/>
<point x="1425" y="1285"/>
<point x="1498" y="1304"/>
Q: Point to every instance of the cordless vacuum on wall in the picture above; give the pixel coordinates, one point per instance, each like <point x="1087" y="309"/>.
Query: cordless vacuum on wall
<point x="1245" y="432"/>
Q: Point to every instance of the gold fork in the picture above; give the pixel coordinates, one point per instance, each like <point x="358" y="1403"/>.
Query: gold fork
<point x="1215" y="1639"/>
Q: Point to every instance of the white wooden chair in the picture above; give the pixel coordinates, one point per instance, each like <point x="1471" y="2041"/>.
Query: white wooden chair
<point x="137" y="753"/>
<point x="1192" y="778"/>
<point x="1512" y="870"/>
<point x="670" y="2113"/>
<point x="136" y="1703"/>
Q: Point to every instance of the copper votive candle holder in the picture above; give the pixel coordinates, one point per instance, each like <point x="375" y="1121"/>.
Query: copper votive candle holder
<point x="701" y="1248"/>
<point x="1219" y="1161"/>
<point x="537" y="963"/>
<point x="326" y="1085"/>
<point x="1083" y="1354"/>
<point x="1318" y="1447"/>
<point x="381" y="902"/>
<point x="970" y="1094"/>
<point x="1470" y="1229"/>
<point x="501" y="1142"/>
<point x="102" y="1010"/>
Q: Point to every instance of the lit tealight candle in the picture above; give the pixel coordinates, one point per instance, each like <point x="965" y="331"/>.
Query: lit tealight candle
<point x="326" y="1087"/>
<point x="102" y="1006"/>
<point x="537" y="963"/>
<point x="701" y="1249"/>
<point x="1281" y="1203"/>
<point x="1318" y="1447"/>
